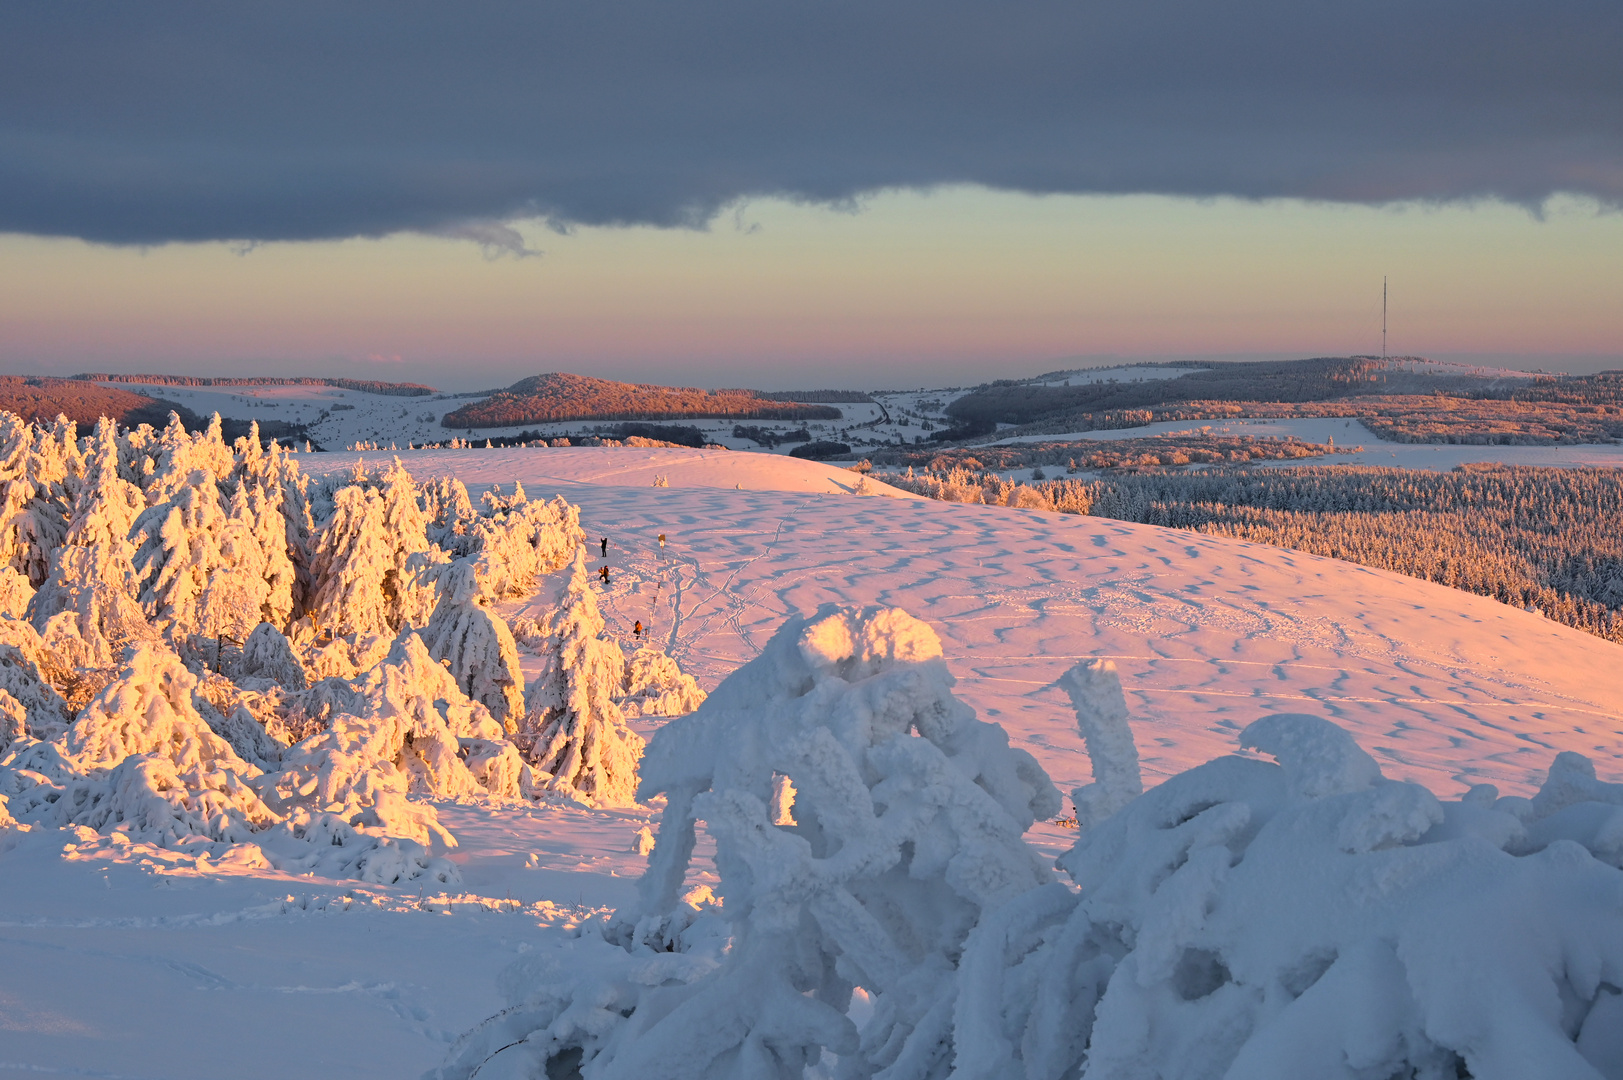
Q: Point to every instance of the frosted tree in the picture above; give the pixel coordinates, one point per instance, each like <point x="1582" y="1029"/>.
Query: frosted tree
<point x="34" y="501"/>
<point x="520" y="538"/>
<point x="87" y="602"/>
<point x="177" y="552"/>
<point x="411" y="730"/>
<point x="46" y="714"/>
<point x="409" y="585"/>
<point x="573" y="731"/>
<point x="466" y="632"/>
<point x="352" y="560"/>
<point x="13" y="726"/>
<point x="177" y="455"/>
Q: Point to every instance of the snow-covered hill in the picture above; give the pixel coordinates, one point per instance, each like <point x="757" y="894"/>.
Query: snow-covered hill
<point x="112" y="966"/>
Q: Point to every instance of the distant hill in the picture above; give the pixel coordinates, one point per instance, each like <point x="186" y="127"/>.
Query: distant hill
<point x="35" y="397"/>
<point x="42" y="398"/>
<point x="557" y="396"/>
<point x="365" y="386"/>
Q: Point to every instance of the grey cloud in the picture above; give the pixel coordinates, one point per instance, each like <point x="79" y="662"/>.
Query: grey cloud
<point x="163" y="121"/>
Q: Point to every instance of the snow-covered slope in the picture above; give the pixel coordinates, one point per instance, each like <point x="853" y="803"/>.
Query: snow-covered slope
<point x="1440" y="685"/>
<point x="570" y="470"/>
<point x="108" y="966"/>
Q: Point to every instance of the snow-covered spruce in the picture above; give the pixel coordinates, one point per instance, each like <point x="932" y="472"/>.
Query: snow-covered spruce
<point x="1246" y="918"/>
<point x="466" y="632"/>
<point x="573" y="732"/>
<point x="907" y="820"/>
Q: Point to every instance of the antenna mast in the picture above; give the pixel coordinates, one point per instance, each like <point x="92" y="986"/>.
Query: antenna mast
<point x="1383" y="316"/>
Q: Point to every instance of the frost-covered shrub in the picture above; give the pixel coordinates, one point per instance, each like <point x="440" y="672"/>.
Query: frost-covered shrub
<point x="655" y="686"/>
<point x="1271" y="920"/>
<point x="573" y="732"/>
<point x="1094" y="688"/>
<point x="906" y="827"/>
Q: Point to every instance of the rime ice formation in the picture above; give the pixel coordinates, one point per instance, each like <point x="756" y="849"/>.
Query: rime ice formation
<point x="573" y="731"/>
<point x="908" y="813"/>
<point x="1261" y="919"/>
<point x="1101" y="718"/>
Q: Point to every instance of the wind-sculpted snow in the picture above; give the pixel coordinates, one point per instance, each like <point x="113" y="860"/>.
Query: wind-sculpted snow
<point x="1094" y="687"/>
<point x="1265" y="920"/>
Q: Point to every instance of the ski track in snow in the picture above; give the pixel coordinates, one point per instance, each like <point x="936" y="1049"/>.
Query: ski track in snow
<point x="137" y="970"/>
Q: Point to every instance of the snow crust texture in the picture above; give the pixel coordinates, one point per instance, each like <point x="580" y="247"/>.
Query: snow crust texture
<point x="212" y="658"/>
<point x="881" y="915"/>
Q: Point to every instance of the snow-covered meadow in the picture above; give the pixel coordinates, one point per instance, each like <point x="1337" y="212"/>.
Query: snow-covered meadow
<point x="1243" y="913"/>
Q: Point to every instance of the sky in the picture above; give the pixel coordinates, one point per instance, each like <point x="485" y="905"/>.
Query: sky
<point x="784" y="194"/>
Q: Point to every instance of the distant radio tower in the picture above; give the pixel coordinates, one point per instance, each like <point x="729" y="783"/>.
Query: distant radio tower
<point x="1383" y="316"/>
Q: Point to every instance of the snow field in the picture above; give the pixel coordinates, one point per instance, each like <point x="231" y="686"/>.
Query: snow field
<point x="1207" y="636"/>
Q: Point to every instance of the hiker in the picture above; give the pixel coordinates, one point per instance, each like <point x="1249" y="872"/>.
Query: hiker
<point x="603" y="572"/>
<point x="605" y="543"/>
<point x="636" y="629"/>
<point x="662" y="541"/>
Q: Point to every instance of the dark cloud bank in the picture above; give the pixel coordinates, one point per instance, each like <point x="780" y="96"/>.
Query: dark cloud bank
<point x="158" y="121"/>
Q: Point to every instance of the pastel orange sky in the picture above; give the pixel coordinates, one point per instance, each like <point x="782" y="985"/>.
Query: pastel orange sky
<point x="908" y="288"/>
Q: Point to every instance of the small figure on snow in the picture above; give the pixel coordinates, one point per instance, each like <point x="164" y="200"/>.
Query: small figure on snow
<point x="604" y="543"/>
<point x="636" y="629"/>
<point x="662" y="541"/>
<point x="603" y="572"/>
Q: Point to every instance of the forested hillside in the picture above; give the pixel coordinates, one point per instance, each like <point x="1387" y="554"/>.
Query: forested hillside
<point x="1390" y="399"/>
<point x="39" y="398"/>
<point x="557" y="396"/>
<point x="1545" y="539"/>
<point x="367" y="386"/>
